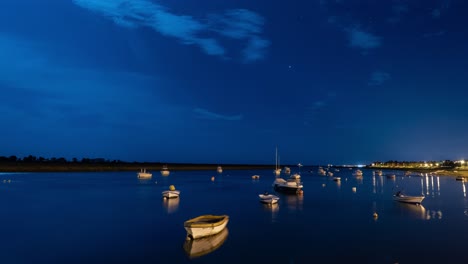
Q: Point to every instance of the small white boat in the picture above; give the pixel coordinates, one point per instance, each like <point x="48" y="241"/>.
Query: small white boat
<point x="219" y="169"/>
<point x="143" y="174"/>
<point x="255" y="177"/>
<point x="171" y="194"/>
<point x="289" y="186"/>
<point x="358" y="173"/>
<point x="408" y="199"/>
<point x="330" y="174"/>
<point x="165" y="171"/>
<point x="295" y="176"/>
<point x="267" y="198"/>
<point x="337" y="178"/>
<point x="321" y="171"/>
<point x="200" y="247"/>
<point x="205" y="225"/>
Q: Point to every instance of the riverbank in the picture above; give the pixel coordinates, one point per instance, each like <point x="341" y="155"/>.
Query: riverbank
<point x="103" y="167"/>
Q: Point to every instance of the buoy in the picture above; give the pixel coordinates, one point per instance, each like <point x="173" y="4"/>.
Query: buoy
<point x="323" y="185"/>
<point x="212" y="178"/>
<point x="171" y="188"/>
<point x="375" y="215"/>
<point x="354" y="189"/>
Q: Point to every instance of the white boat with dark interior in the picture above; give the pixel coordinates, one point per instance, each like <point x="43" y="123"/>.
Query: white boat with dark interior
<point x="267" y="198"/>
<point x="205" y="225"/>
<point x="287" y="186"/>
<point x="171" y="193"/>
<point x="398" y="196"/>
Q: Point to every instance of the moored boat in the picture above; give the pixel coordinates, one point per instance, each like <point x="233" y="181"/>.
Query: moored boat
<point x="295" y="176"/>
<point x="267" y="198"/>
<point x="219" y="169"/>
<point x="143" y="174"/>
<point x="165" y="171"/>
<point x="408" y="199"/>
<point x="255" y="177"/>
<point x="170" y="194"/>
<point x="289" y="186"/>
<point x="205" y="225"/>
<point x="358" y="173"/>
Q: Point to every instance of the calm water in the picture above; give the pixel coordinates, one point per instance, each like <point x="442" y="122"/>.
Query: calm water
<point x="116" y="218"/>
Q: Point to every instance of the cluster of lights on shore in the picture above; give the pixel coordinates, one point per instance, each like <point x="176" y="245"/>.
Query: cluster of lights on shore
<point x="425" y="164"/>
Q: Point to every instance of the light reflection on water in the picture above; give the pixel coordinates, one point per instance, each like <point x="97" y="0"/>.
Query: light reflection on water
<point x="171" y="205"/>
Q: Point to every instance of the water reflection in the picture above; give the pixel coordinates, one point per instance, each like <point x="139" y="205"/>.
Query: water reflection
<point x="199" y="247"/>
<point x="438" y="186"/>
<point x="171" y="205"/>
<point x="373" y="183"/>
<point x="412" y="211"/>
<point x="274" y="209"/>
<point x="294" y="202"/>
<point x="432" y="214"/>
<point x="427" y="185"/>
<point x="464" y="189"/>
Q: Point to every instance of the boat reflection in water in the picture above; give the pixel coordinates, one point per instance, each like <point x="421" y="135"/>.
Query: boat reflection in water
<point x="199" y="247"/>
<point x="412" y="211"/>
<point x="171" y="205"/>
<point x="294" y="202"/>
<point x="274" y="209"/>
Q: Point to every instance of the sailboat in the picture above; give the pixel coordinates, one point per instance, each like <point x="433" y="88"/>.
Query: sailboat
<point x="165" y="171"/>
<point x="277" y="170"/>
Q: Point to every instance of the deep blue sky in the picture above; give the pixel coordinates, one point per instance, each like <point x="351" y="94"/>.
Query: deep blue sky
<point x="226" y="81"/>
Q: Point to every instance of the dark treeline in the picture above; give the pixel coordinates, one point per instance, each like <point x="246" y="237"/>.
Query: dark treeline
<point x="36" y="164"/>
<point x="34" y="159"/>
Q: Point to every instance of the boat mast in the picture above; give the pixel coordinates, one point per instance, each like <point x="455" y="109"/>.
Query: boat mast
<point x="276" y="159"/>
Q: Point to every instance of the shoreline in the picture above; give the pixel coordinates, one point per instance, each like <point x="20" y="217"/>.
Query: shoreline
<point x="12" y="167"/>
<point x="71" y="167"/>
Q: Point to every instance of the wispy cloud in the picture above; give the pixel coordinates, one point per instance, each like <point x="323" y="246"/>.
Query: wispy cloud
<point x="378" y="78"/>
<point x="359" y="38"/>
<point x="398" y="10"/>
<point x="238" y="24"/>
<point x="434" y="34"/>
<point x="436" y="13"/>
<point x="205" y="114"/>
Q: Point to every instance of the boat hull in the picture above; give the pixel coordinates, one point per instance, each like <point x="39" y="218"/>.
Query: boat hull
<point x="268" y="199"/>
<point x="409" y="199"/>
<point x="171" y="194"/>
<point x="286" y="189"/>
<point x="200" y="247"/>
<point x="195" y="230"/>
<point x="165" y="173"/>
<point x="144" y="175"/>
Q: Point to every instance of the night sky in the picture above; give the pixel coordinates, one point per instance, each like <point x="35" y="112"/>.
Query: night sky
<point x="328" y="81"/>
